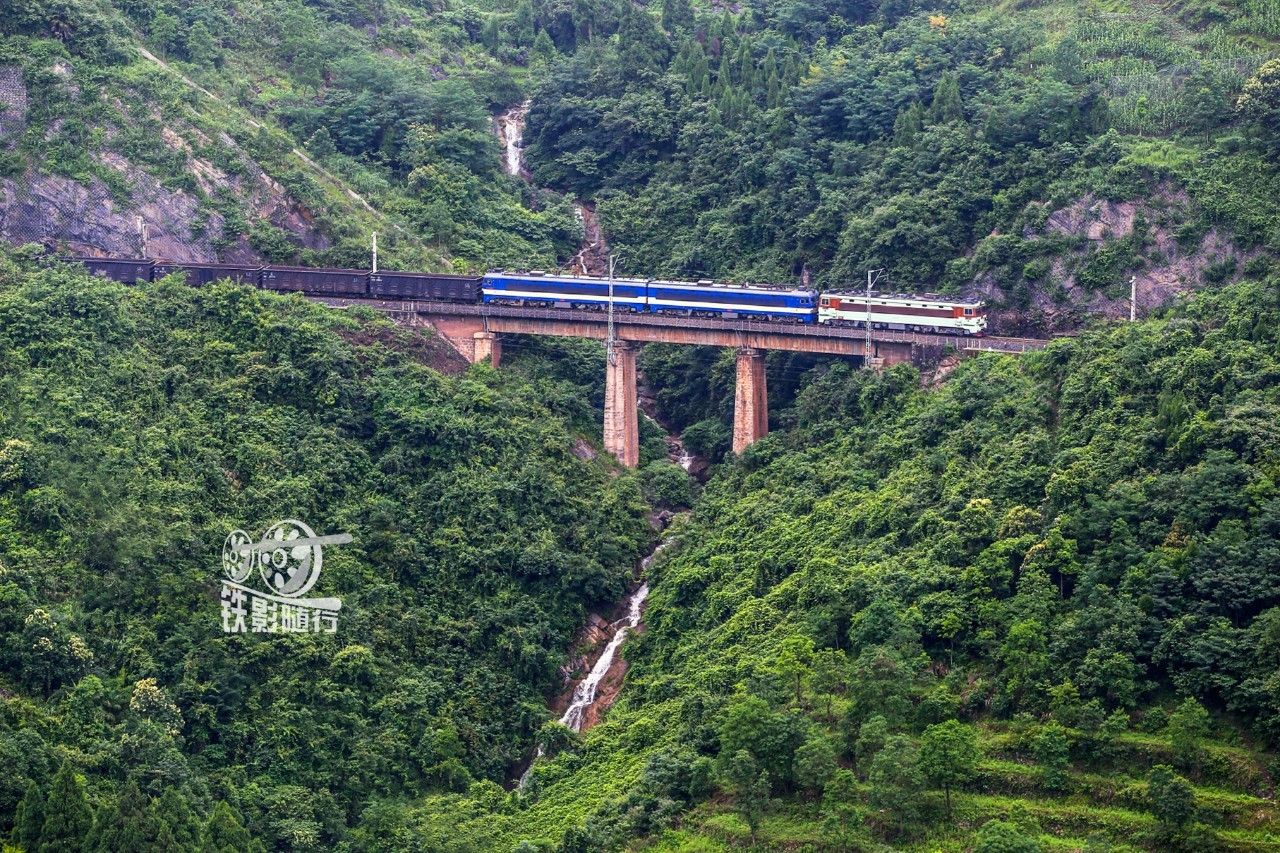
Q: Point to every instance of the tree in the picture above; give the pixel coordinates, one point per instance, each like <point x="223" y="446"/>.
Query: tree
<point x="1259" y="103"/>
<point x="28" y="822"/>
<point x="771" y="737"/>
<point x="815" y="763"/>
<point x="870" y="739"/>
<point x="897" y="781"/>
<point x="1052" y="752"/>
<point x="1187" y="727"/>
<point x="946" y="100"/>
<point x="125" y="825"/>
<point x="830" y="675"/>
<point x="1170" y="798"/>
<point x="67" y="816"/>
<point x="172" y="814"/>
<point x="165" y="31"/>
<point x="544" y="50"/>
<point x="224" y="833"/>
<point x="1000" y="836"/>
<point x="793" y="662"/>
<point x="750" y="787"/>
<point x="841" y="823"/>
<point x="676" y="15"/>
<point x="949" y="755"/>
<point x="201" y="47"/>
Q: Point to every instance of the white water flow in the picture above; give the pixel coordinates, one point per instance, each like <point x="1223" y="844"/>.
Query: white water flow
<point x="584" y="695"/>
<point x="511" y="130"/>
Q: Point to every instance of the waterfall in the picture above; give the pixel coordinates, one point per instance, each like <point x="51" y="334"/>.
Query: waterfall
<point x="511" y="132"/>
<point x="584" y="695"/>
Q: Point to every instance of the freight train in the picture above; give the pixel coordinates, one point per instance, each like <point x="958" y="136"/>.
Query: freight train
<point x="584" y="293"/>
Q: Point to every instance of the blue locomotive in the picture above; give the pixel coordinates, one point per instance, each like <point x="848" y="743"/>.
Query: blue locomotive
<point x="681" y="298"/>
<point x="715" y="299"/>
<point x="561" y="291"/>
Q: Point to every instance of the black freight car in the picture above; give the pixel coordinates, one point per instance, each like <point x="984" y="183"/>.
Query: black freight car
<point x="126" y="270"/>
<point x="199" y="275"/>
<point x="419" y="285"/>
<point x="311" y="280"/>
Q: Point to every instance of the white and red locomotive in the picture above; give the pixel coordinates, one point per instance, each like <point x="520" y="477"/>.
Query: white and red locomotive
<point x="906" y="313"/>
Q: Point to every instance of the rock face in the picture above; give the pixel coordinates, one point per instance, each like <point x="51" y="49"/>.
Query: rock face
<point x="90" y="218"/>
<point x="1167" y="268"/>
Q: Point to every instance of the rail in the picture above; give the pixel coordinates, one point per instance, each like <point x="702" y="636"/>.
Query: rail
<point x="626" y="318"/>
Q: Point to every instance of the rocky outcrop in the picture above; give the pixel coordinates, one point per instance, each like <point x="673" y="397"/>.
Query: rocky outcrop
<point x="1166" y="269"/>
<point x="146" y="217"/>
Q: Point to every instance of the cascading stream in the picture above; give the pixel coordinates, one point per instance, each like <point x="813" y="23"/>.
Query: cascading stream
<point x="584" y="695"/>
<point x="511" y="131"/>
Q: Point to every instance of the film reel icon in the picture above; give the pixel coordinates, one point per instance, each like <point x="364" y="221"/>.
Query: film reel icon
<point x="237" y="559"/>
<point x="289" y="558"/>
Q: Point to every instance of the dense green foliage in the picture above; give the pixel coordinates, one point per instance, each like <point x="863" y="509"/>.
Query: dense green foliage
<point x="1036" y="606"/>
<point x="1038" y="583"/>
<point x="137" y="427"/>
<point x="932" y="140"/>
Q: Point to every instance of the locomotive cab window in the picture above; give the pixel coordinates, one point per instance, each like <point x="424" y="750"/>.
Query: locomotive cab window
<point x="968" y="312"/>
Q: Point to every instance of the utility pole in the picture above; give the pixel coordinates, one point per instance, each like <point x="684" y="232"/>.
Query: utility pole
<point x="610" y="337"/>
<point x="375" y="251"/>
<point x="1133" y="298"/>
<point x="872" y="277"/>
<point x="142" y="235"/>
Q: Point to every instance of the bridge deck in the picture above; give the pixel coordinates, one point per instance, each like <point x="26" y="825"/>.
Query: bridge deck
<point x="717" y="328"/>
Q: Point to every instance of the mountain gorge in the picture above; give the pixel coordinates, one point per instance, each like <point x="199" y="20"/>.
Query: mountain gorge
<point x="1015" y="604"/>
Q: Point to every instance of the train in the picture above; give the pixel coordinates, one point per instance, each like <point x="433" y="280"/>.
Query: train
<point x="705" y="298"/>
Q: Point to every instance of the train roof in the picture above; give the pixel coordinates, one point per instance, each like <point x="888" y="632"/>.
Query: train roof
<point x="707" y="284"/>
<point x="933" y="298"/>
<point x="448" y="275"/>
<point x="327" y="270"/>
<point x="546" y="276"/>
<point x="207" y="265"/>
<point x="98" y="259"/>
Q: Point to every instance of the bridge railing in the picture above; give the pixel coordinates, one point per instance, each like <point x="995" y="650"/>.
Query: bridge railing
<point x="739" y="324"/>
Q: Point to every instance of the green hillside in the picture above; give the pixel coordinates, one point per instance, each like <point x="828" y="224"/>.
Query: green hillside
<point x="1013" y="604"/>
<point x="1048" y="585"/>
<point x="139" y="426"/>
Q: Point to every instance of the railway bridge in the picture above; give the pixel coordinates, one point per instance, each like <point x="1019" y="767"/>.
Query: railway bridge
<point x="474" y="330"/>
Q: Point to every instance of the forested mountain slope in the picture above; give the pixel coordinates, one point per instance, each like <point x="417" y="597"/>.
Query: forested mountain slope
<point x="139" y="426"/>
<point x="1044" y="594"/>
<point x="1035" y="153"/>
<point x="1038" y="154"/>
<point x="286" y="131"/>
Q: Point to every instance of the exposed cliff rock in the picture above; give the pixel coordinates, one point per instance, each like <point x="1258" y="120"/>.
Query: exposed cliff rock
<point x="141" y="214"/>
<point x="1152" y="240"/>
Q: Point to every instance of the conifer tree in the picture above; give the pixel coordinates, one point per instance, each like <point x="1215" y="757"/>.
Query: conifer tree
<point x="67" y="816"/>
<point x="676" y="15"/>
<point x="172" y="814"/>
<point x="28" y="823"/>
<point x="724" y="74"/>
<point x="746" y="67"/>
<point x="946" y="101"/>
<point x="224" y="833"/>
<point x="122" y="826"/>
<point x="908" y="125"/>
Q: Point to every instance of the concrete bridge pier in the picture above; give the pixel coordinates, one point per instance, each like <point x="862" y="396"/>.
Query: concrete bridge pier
<point x="751" y="401"/>
<point x="486" y="346"/>
<point x="621" y="424"/>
